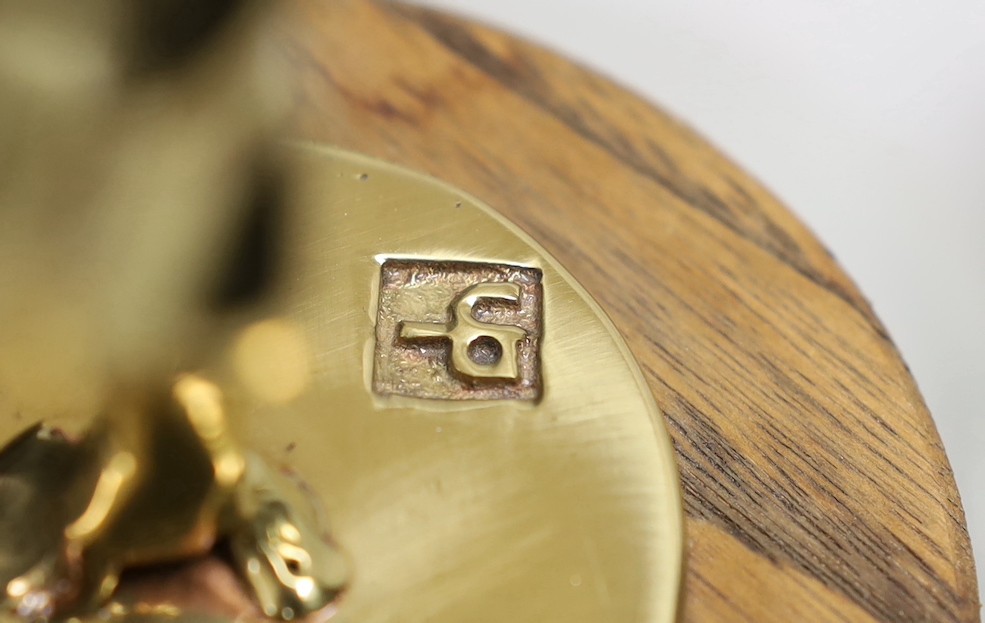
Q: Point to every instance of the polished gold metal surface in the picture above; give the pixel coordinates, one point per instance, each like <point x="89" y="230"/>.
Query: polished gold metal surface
<point x="154" y="483"/>
<point x="139" y="154"/>
<point x="564" y="507"/>
<point x="282" y="352"/>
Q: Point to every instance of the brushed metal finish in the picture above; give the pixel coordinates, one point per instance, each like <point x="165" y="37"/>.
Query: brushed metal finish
<point x="564" y="510"/>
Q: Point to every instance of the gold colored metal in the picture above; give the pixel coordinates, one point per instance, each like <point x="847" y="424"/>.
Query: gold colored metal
<point x="464" y="332"/>
<point x="457" y="330"/>
<point x="564" y="508"/>
<point x="148" y="484"/>
<point x="561" y="509"/>
<point x="139" y="150"/>
<point x="415" y="373"/>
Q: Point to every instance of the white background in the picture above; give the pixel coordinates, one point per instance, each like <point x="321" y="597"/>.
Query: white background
<point x="867" y="117"/>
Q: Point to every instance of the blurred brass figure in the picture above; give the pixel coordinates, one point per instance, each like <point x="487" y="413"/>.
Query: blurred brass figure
<point x="139" y="196"/>
<point x="187" y="308"/>
<point x="151" y="482"/>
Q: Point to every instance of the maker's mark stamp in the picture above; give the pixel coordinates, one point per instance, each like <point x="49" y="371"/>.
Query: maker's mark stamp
<point x="458" y="331"/>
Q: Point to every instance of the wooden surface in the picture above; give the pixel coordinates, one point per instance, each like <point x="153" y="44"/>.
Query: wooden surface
<point x="814" y="480"/>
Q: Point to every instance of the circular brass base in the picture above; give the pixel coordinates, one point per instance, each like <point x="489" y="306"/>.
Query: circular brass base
<point x="556" y="504"/>
<point x="481" y="442"/>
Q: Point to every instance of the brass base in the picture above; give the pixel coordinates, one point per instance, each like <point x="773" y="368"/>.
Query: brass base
<point x="481" y="440"/>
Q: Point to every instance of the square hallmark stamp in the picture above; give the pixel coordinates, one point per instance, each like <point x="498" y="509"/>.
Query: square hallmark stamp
<point x="448" y="330"/>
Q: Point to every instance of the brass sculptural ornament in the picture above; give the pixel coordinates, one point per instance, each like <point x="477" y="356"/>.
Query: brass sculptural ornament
<point x="247" y="381"/>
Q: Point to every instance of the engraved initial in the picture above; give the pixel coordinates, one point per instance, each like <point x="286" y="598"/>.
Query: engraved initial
<point x="464" y="330"/>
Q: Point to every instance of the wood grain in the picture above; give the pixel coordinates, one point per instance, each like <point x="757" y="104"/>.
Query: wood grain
<point x="815" y="484"/>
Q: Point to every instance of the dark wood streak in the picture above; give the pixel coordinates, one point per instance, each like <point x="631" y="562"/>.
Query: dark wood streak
<point x="814" y="481"/>
<point x="735" y="212"/>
